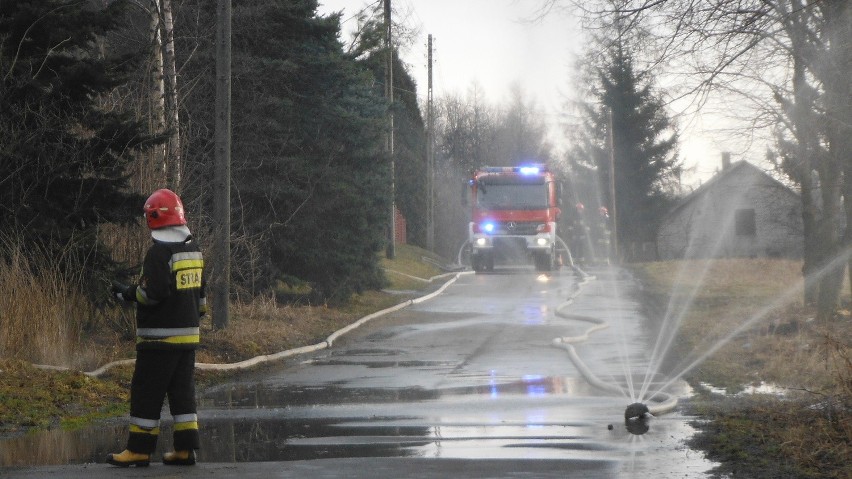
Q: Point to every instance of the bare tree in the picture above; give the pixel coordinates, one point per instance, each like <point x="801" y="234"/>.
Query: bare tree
<point x="175" y="153"/>
<point x="835" y="70"/>
<point x="523" y="132"/>
<point x="165" y="116"/>
<point x="465" y="138"/>
<point x="158" y="93"/>
<point x="472" y="132"/>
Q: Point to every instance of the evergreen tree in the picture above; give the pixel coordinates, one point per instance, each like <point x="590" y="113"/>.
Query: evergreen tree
<point x="63" y="152"/>
<point x="644" y="148"/>
<point x="310" y="178"/>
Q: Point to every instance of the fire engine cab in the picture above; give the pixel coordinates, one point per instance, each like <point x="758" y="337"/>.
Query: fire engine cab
<point x="514" y="211"/>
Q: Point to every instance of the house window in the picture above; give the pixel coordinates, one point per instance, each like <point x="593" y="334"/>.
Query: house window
<point x="745" y="222"/>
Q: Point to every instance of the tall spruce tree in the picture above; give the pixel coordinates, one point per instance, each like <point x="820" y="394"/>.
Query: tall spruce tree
<point x="644" y="148"/>
<point x="63" y="152"/>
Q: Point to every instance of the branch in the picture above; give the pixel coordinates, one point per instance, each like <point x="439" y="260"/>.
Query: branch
<point x="24" y="37"/>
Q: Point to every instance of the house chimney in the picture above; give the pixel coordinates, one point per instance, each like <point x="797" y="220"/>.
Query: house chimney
<point x="726" y="160"/>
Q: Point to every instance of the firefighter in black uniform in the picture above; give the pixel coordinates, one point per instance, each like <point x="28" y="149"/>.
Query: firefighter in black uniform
<point x="170" y="301"/>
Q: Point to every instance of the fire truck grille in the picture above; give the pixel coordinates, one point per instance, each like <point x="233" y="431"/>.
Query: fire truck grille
<point x="510" y="245"/>
<point x="516" y="228"/>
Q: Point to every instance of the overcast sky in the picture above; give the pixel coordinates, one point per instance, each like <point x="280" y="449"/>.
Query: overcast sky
<point x="493" y="44"/>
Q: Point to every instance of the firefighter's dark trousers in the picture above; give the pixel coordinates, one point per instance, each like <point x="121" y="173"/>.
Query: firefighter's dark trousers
<point x="160" y="373"/>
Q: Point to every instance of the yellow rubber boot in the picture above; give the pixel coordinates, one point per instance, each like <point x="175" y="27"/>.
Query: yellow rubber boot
<point x="179" y="458"/>
<point x="127" y="458"/>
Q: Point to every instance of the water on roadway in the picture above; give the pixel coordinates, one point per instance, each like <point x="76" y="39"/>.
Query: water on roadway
<point x="470" y="374"/>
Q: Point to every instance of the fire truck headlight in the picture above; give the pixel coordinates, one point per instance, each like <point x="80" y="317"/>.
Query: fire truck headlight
<point x="541" y="241"/>
<point x="481" y="242"/>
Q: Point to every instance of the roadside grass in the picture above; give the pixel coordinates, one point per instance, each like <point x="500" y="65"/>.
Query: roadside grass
<point x="264" y="326"/>
<point x="802" y="427"/>
<point x="33" y="398"/>
<point x="412" y="261"/>
<point x="38" y="398"/>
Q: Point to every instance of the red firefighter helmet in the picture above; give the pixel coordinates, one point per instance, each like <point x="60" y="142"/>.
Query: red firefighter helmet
<point x="164" y="208"/>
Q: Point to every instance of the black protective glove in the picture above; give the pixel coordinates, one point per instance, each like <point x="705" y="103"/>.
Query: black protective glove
<point x="123" y="292"/>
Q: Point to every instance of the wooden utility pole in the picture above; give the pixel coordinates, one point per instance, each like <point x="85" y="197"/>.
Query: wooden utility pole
<point x="430" y="159"/>
<point x="220" y="286"/>
<point x="391" y="250"/>
<point x="613" y="211"/>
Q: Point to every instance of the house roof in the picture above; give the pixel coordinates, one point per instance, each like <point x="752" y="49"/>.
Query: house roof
<point x="736" y="168"/>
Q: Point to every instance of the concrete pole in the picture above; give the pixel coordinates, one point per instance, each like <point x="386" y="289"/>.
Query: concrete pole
<point x="220" y="286"/>
<point x="391" y="250"/>
<point x="614" y="211"/>
<point x="430" y="159"/>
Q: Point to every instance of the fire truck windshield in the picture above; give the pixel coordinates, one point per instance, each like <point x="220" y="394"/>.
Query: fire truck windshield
<point x="512" y="196"/>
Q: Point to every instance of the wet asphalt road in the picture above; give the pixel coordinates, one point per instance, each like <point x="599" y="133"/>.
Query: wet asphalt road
<point x="467" y="384"/>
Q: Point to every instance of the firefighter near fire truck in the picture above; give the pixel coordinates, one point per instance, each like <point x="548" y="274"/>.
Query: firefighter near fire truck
<point x="170" y="301"/>
<point x="514" y="213"/>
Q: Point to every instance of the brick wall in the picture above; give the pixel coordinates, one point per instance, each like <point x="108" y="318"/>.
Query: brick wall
<point x="400" y="226"/>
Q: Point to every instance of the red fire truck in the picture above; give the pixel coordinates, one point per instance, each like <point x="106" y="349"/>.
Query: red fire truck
<point x="513" y="215"/>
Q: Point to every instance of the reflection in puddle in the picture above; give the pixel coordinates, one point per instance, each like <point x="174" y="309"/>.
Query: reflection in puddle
<point x="63" y="447"/>
<point x="281" y="440"/>
<point x="221" y="441"/>
<point x="261" y="395"/>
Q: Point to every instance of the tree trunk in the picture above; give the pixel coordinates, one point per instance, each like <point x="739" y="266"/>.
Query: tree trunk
<point x="158" y="100"/>
<point x="809" y="216"/>
<point x="838" y="90"/>
<point x="174" y="157"/>
<point x="834" y="70"/>
<point x="830" y="269"/>
<point x="807" y="140"/>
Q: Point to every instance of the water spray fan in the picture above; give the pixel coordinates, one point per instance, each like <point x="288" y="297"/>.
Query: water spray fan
<point x="635" y="413"/>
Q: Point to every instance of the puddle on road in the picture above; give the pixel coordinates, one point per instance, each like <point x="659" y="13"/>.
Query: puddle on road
<point x="534" y="417"/>
<point x="256" y="422"/>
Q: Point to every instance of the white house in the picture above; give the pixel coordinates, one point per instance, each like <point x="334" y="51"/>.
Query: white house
<point x="740" y="213"/>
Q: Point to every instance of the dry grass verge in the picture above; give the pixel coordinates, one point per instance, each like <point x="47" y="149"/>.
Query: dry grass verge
<point x="42" y="310"/>
<point x="803" y="432"/>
